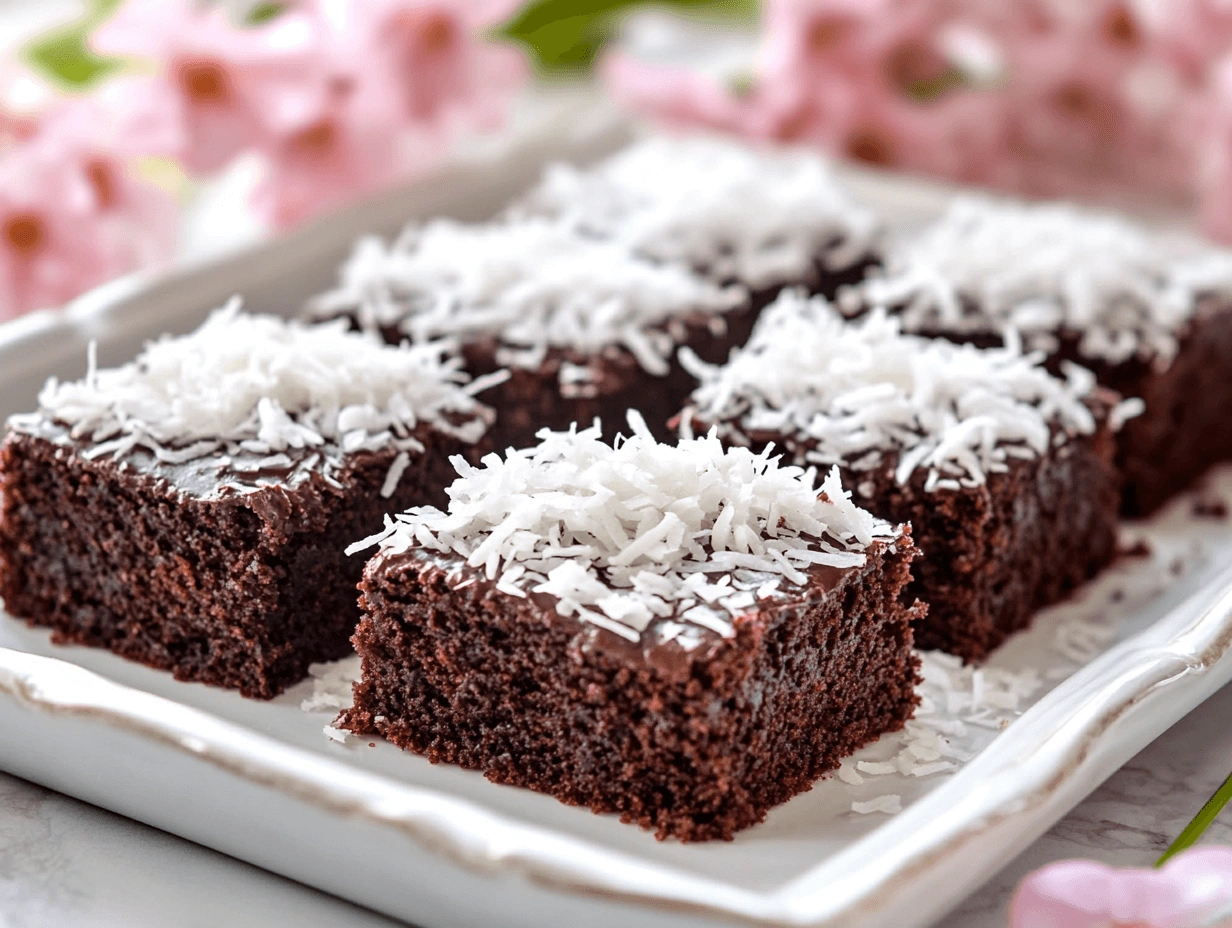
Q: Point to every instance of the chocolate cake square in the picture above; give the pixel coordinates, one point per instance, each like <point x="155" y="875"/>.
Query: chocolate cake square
<point x="683" y="635"/>
<point x="1149" y="313"/>
<point x="758" y="217"/>
<point x="584" y="327"/>
<point x="189" y="510"/>
<point x="1003" y="471"/>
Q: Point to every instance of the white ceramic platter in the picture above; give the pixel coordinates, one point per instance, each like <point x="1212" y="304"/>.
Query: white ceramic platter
<point x="1055" y="712"/>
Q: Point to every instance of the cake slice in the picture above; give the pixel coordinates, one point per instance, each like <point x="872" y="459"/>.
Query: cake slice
<point x="760" y="218"/>
<point x="585" y="327"/>
<point x="189" y="510"/>
<point x="1003" y="471"/>
<point x="1149" y="313"/>
<point x="684" y="635"/>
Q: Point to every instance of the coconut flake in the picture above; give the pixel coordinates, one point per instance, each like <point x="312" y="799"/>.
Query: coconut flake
<point x="532" y="285"/>
<point x="889" y="803"/>
<point x="332" y="685"/>
<point x="624" y="533"/>
<point x="848" y="774"/>
<point x="261" y="385"/>
<point x="875" y="768"/>
<point x="735" y="213"/>
<point x="840" y="392"/>
<point x="987" y="266"/>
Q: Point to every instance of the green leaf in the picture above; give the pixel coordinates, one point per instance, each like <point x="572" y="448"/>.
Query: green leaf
<point x="567" y="35"/>
<point x="63" y="55"/>
<point x="1193" y="831"/>
<point x="263" y="13"/>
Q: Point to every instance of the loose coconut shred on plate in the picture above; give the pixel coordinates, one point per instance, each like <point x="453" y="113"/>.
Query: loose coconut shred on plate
<point x="624" y="533"/>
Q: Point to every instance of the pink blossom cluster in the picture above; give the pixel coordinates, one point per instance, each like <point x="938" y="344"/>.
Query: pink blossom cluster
<point x="340" y="99"/>
<point x="1087" y="98"/>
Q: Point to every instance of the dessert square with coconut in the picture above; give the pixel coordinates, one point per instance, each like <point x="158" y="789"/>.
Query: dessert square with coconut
<point x="760" y="218"/>
<point x="685" y="635"/>
<point x="190" y="509"/>
<point x="1004" y="472"/>
<point x="584" y="326"/>
<point x="1149" y="312"/>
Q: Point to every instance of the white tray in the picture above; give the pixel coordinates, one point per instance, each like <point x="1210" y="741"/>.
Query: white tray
<point x="440" y="846"/>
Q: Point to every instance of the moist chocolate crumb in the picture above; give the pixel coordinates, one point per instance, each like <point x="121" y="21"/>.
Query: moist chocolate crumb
<point x="694" y="744"/>
<point x="239" y="589"/>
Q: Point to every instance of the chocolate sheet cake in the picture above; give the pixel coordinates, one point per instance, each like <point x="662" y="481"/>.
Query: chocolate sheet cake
<point x="684" y="635"/>
<point x="189" y="510"/>
<point x="1003" y="471"/>
<point x="1149" y="313"/>
<point x="586" y="286"/>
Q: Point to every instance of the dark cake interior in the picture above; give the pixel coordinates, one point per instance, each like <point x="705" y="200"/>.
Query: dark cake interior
<point x="1183" y="428"/>
<point x="215" y="580"/>
<point x="689" y="689"/>
<point x="997" y="554"/>
<point x="694" y="745"/>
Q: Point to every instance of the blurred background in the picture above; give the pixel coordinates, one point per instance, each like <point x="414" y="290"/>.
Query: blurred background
<point x="137" y="132"/>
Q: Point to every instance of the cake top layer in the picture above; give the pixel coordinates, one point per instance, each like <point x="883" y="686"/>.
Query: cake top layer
<point x="532" y="284"/>
<point x="624" y="534"/>
<point x="732" y="212"/>
<point x="985" y="266"/>
<point x="849" y="392"/>
<point x="260" y="387"/>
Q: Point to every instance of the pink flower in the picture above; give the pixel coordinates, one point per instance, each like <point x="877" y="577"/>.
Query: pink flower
<point x="435" y="59"/>
<point x="228" y="84"/>
<point x="1214" y="181"/>
<point x="352" y="146"/>
<point x="1084" y="99"/>
<point x="53" y="244"/>
<point x="960" y="136"/>
<point x="100" y="138"/>
<point x="394" y="84"/>
<point x="1192" y="33"/>
<point x="1194" y="889"/>
<point x="73" y="211"/>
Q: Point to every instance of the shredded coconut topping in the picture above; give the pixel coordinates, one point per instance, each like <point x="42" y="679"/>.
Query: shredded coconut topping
<point x="760" y="218"/>
<point x="244" y="385"/>
<point x="986" y="266"/>
<point x="333" y="685"/>
<point x="628" y="532"/>
<point x="532" y="284"/>
<point x="839" y="392"/>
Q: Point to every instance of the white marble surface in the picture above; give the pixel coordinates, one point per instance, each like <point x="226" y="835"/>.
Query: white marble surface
<point x="64" y="863"/>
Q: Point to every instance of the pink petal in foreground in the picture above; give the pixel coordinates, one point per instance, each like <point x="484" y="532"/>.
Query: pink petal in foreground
<point x="1185" y="893"/>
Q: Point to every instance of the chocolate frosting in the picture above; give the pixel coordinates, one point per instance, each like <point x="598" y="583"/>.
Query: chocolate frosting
<point x="671" y="646"/>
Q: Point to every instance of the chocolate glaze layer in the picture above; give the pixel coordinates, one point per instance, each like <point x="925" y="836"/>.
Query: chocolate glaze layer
<point x="662" y="645"/>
